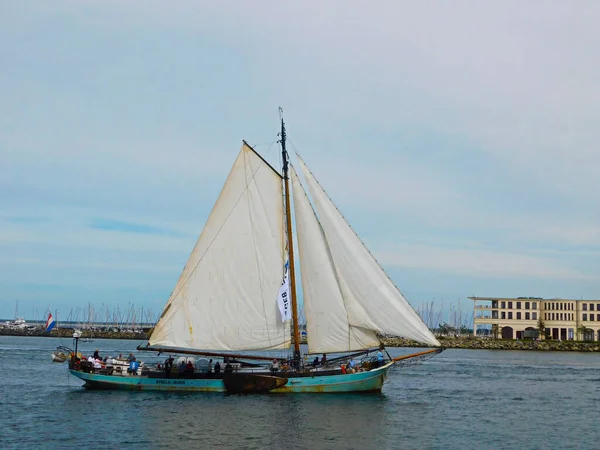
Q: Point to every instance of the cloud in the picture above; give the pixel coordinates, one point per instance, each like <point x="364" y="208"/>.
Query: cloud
<point x="464" y="135"/>
<point x="476" y="262"/>
<point x="129" y="227"/>
<point x="26" y="220"/>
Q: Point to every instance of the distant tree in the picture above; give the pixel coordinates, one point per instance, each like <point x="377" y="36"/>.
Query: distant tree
<point x="465" y="330"/>
<point x="583" y="331"/>
<point x="445" y="330"/>
<point x="541" y="328"/>
<point x="495" y="331"/>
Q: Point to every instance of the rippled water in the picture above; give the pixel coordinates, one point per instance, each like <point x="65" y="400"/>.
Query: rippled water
<point x="461" y="399"/>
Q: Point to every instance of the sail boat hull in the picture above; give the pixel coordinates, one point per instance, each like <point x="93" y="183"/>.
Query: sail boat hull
<point x="371" y="381"/>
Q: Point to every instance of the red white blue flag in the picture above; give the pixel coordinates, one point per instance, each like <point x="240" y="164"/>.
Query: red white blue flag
<point x="50" y="322"/>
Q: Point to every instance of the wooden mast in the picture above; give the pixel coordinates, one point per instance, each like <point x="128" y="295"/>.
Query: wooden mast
<point x="288" y="221"/>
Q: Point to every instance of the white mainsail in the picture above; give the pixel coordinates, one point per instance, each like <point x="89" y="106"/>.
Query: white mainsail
<point x="226" y="296"/>
<point x="371" y="299"/>
<point x="327" y="324"/>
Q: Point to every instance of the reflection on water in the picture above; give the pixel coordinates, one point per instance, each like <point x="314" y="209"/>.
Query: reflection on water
<point x="459" y="399"/>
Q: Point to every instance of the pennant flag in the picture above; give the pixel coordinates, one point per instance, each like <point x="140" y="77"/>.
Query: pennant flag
<point x="50" y="322"/>
<point x="283" y="296"/>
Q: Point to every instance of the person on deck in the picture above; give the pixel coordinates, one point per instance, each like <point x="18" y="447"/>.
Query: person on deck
<point x="217" y="367"/>
<point x="210" y="366"/>
<point x="228" y="367"/>
<point x="323" y="359"/>
<point x="275" y="366"/>
<point x="130" y="358"/>
<point x="169" y="364"/>
<point x="351" y="366"/>
<point x="380" y="361"/>
<point x="97" y="354"/>
<point x="181" y="368"/>
<point x="316" y="361"/>
<point x="189" y="367"/>
<point x="133" y="367"/>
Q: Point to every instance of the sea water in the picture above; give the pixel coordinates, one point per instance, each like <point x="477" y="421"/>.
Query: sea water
<point x="460" y="399"/>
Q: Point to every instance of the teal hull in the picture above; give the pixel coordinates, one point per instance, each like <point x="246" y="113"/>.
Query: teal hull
<point x="370" y="381"/>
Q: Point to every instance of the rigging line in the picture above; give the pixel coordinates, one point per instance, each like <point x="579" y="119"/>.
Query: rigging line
<point x="270" y="143"/>
<point x="175" y="293"/>
<point x="357" y="237"/>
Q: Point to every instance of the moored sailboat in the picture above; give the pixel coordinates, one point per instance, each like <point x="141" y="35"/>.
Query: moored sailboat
<point x="230" y="298"/>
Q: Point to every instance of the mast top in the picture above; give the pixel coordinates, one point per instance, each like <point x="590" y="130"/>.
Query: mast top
<point x="282" y="135"/>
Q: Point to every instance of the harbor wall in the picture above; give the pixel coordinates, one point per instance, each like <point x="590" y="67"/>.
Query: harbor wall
<point x="447" y="342"/>
<point x="501" y="344"/>
<point x="68" y="333"/>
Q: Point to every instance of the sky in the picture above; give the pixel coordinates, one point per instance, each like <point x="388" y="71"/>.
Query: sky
<point x="458" y="138"/>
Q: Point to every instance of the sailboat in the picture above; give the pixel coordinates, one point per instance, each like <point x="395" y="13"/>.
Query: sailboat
<point x="236" y="296"/>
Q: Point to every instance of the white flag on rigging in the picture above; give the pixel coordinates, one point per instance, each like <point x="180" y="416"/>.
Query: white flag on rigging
<point x="283" y="296"/>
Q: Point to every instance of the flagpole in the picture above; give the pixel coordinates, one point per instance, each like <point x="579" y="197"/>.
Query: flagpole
<point x="288" y="218"/>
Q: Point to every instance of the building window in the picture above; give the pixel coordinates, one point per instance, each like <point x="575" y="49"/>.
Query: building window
<point x="552" y="316"/>
<point x="591" y="306"/>
<point x="591" y="317"/>
<point x="526" y="305"/>
<point x="533" y="305"/>
<point x="571" y="334"/>
<point x="584" y="306"/>
<point x="518" y="305"/>
<point x="552" y="307"/>
<point x="503" y="305"/>
<point x="510" y="315"/>
<point x="526" y="316"/>
<point x="509" y="305"/>
<point x="519" y="315"/>
<point x="503" y="315"/>
<point x="534" y="316"/>
<point x="585" y="317"/>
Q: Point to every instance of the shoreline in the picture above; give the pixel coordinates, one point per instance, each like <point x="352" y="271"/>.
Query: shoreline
<point x="466" y="343"/>
<point x="470" y="343"/>
<point x="68" y="333"/>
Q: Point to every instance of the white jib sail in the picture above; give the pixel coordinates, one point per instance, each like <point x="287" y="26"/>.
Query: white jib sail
<point x="327" y="324"/>
<point x="371" y="298"/>
<point x="226" y="297"/>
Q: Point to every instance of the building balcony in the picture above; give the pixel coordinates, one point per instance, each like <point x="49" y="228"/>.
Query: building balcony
<point x="486" y="320"/>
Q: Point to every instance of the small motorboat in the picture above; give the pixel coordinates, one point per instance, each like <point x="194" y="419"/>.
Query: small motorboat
<point x="61" y="354"/>
<point x="58" y="356"/>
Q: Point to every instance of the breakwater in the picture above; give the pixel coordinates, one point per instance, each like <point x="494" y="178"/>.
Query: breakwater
<point x="68" y="333"/>
<point x="501" y="344"/>
<point x="447" y="342"/>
